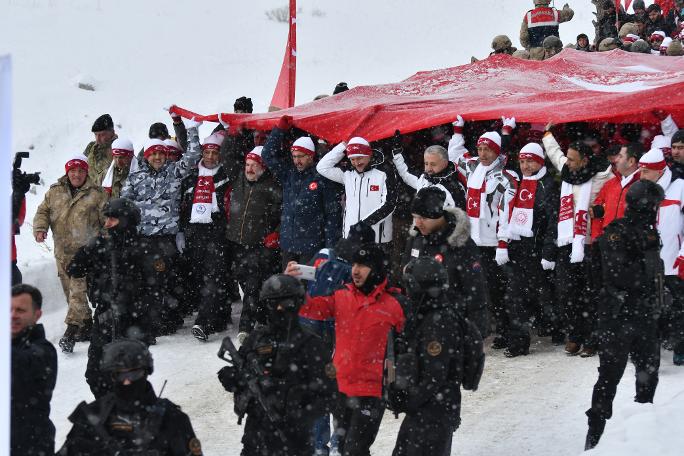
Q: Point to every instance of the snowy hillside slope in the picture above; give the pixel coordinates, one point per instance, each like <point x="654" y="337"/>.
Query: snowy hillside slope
<point x="143" y="55"/>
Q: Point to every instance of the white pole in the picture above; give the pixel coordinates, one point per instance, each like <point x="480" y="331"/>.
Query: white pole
<point x="5" y="233"/>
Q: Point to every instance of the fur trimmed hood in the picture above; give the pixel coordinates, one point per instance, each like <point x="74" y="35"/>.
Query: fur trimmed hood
<point x="461" y="232"/>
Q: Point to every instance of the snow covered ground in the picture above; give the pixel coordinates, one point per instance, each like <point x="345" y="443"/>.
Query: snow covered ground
<point x="141" y="56"/>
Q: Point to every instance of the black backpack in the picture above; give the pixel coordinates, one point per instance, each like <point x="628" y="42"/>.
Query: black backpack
<point x="473" y="354"/>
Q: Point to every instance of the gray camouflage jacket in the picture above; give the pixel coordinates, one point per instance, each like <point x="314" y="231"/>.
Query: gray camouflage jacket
<point x="158" y="193"/>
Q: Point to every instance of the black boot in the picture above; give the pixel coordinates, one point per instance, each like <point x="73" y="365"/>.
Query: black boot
<point x="83" y="334"/>
<point x="596" y="427"/>
<point x="68" y="340"/>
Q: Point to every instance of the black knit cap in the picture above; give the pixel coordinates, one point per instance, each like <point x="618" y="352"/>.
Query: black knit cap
<point x="102" y="123"/>
<point x="429" y="203"/>
<point x="243" y="104"/>
<point x="371" y="255"/>
<point x="158" y="131"/>
<point x="678" y="137"/>
<point x="339" y="88"/>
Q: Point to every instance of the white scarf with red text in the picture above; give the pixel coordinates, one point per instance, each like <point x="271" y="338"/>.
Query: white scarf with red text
<point x="476" y="197"/>
<point x="204" y="201"/>
<point x="573" y="217"/>
<point x="522" y="207"/>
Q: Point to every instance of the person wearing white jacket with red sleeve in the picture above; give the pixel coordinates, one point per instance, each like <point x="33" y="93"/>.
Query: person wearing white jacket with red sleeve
<point x="671" y="228"/>
<point x="370" y="187"/>
<point x="582" y="177"/>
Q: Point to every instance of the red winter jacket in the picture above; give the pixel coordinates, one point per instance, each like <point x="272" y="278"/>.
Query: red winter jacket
<point x="612" y="197"/>
<point x="361" y="326"/>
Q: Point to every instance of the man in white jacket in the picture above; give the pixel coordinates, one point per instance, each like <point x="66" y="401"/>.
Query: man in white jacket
<point x="582" y="176"/>
<point x="671" y="229"/>
<point x="370" y="187"/>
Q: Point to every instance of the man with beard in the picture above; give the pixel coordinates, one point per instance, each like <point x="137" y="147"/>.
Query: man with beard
<point x="131" y="419"/>
<point x="113" y="267"/>
<point x="364" y="312"/>
<point x="583" y="174"/>
<point x="438" y="172"/>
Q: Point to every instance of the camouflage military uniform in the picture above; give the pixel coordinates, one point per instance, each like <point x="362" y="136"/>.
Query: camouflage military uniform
<point x="99" y="159"/>
<point x="158" y="195"/>
<point x="74" y="220"/>
<point x="120" y="176"/>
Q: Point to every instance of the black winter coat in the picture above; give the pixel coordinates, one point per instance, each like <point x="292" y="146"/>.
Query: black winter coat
<point x="219" y="221"/>
<point x="108" y="425"/>
<point x="544" y="224"/>
<point x="460" y="256"/>
<point x="34" y="373"/>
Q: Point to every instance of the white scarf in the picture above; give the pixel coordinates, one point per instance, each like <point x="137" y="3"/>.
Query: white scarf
<point x="476" y="197"/>
<point x="624" y="181"/>
<point x="109" y="177"/>
<point x="202" y="208"/>
<point x="573" y="218"/>
<point x="522" y="208"/>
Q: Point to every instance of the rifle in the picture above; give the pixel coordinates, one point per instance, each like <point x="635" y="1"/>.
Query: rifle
<point x="390" y="374"/>
<point x="250" y="373"/>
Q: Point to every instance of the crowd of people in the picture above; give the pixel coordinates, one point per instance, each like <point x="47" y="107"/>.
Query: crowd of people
<point x="376" y="269"/>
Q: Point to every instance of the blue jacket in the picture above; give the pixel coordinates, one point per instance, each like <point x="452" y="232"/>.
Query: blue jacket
<point x="312" y="212"/>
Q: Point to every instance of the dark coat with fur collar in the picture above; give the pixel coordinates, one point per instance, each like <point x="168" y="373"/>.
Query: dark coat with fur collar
<point x="458" y="253"/>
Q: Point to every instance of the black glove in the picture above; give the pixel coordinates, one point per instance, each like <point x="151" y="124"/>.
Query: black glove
<point x="598" y="211"/>
<point x="228" y="378"/>
<point x="397" y="146"/>
<point x="20" y="184"/>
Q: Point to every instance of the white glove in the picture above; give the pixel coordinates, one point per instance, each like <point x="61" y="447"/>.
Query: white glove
<point x="508" y="122"/>
<point x="226" y="125"/>
<point x="577" y="255"/>
<point x="192" y="123"/>
<point x="548" y="265"/>
<point x="459" y="121"/>
<point x="501" y="256"/>
<point x="180" y="242"/>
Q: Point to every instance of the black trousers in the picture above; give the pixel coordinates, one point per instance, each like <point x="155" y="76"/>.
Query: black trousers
<point x="528" y="296"/>
<point x="573" y="296"/>
<point x="672" y="318"/>
<point x="262" y="439"/>
<point x="159" y="271"/>
<point x="357" y="421"/>
<point x="621" y="339"/>
<point x="420" y="435"/>
<point x="496" y="285"/>
<point x="207" y="279"/>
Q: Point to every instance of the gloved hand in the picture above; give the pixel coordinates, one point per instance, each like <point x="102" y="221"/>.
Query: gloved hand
<point x="397" y="146"/>
<point x="679" y="265"/>
<point x="501" y="256"/>
<point x="285" y="123"/>
<point x="174" y="116"/>
<point x="192" y="123"/>
<point x="180" y="242"/>
<point x="508" y="125"/>
<point x="458" y="124"/>
<point x="548" y="265"/>
<point x="272" y="240"/>
<point x="228" y="378"/>
<point x="226" y="125"/>
<point x="577" y="255"/>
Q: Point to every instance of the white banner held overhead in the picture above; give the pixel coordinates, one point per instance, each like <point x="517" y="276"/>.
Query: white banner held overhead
<point x="5" y="237"/>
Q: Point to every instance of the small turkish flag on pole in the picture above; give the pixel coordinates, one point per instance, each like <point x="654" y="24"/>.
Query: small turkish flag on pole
<point x="284" y="94"/>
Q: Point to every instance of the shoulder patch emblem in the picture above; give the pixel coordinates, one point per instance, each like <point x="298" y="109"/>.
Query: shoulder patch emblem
<point x="195" y="446"/>
<point x="265" y="349"/>
<point x="613" y="237"/>
<point x="415" y="253"/>
<point x="313" y="186"/>
<point x="434" y="348"/>
<point x="159" y="265"/>
<point x="374" y="188"/>
<point x="330" y="370"/>
<point x="439" y="258"/>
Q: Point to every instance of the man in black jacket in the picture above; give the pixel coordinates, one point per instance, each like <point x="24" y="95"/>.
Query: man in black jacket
<point x="531" y="250"/>
<point x="445" y="236"/>
<point x="655" y="21"/>
<point x="430" y="395"/>
<point x="295" y="377"/>
<point x="632" y="296"/>
<point x="130" y="420"/>
<point x="34" y="373"/>
<point x="114" y="266"/>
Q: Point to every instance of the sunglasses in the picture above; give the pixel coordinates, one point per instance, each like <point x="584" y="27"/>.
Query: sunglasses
<point x="130" y="375"/>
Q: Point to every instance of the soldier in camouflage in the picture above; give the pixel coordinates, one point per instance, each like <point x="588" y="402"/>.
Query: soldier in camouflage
<point x="156" y="190"/>
<point x="99" y="152"/>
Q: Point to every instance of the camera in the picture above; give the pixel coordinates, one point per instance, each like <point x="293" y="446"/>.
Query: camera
<point x="21" y="181"/>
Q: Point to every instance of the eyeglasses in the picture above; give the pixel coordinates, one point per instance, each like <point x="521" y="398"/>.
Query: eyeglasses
<point x="130" y="375"/>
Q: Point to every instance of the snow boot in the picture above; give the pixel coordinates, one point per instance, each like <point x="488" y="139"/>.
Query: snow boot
<point x="572" y="348"/>
<point x="83" y="334"/>
<point x="678" y="359"/>
<point x="68" y="340"/>
<point x="596" y="427"/>
<point x="499" y="342"/>
<point x="199" y="333"/>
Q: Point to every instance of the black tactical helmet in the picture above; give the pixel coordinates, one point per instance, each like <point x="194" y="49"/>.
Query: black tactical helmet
<point x="123" y="209"/>
<point x="281" y="288"/>
<point x="644" y="197"/>
<point x="126" y="354"/>
<point x="425" y="276"/>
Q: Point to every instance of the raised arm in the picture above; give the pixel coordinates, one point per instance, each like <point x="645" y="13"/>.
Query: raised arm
<point x="326" y="166"/>
<point x="194" y="151"/>
<point x="553" y="151"/>
<point x="274" y="155"/>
